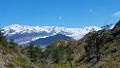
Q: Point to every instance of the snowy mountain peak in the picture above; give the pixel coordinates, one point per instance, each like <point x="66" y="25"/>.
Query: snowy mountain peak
<point x="24" y="33"/>
<point x="16" y="28"/>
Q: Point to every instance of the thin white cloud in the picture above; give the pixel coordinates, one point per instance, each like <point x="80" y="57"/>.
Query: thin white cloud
<point x="92" y="11"/>
<point x="116" y="14"/>
<point x="60" y="18"/>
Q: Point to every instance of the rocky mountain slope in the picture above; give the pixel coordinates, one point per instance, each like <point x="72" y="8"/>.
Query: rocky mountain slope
<point x="49" y="40"/>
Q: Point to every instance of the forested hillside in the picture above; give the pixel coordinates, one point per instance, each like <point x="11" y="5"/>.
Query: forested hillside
<point x="97" y="49"/>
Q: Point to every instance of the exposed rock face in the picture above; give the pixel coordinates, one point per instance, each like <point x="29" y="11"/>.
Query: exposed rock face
<point x="117" y="26"/>
<point x="116" y="30"/>
<point x="4" y="59"/>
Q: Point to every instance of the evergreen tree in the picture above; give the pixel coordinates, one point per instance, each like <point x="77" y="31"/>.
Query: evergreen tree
<point x="33" y="52"/>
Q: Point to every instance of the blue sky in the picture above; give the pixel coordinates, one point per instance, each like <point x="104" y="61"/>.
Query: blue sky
<point x="67" y="13"/>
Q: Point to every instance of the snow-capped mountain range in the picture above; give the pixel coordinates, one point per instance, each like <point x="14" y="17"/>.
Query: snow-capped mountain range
<point x="24" y="34"/>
